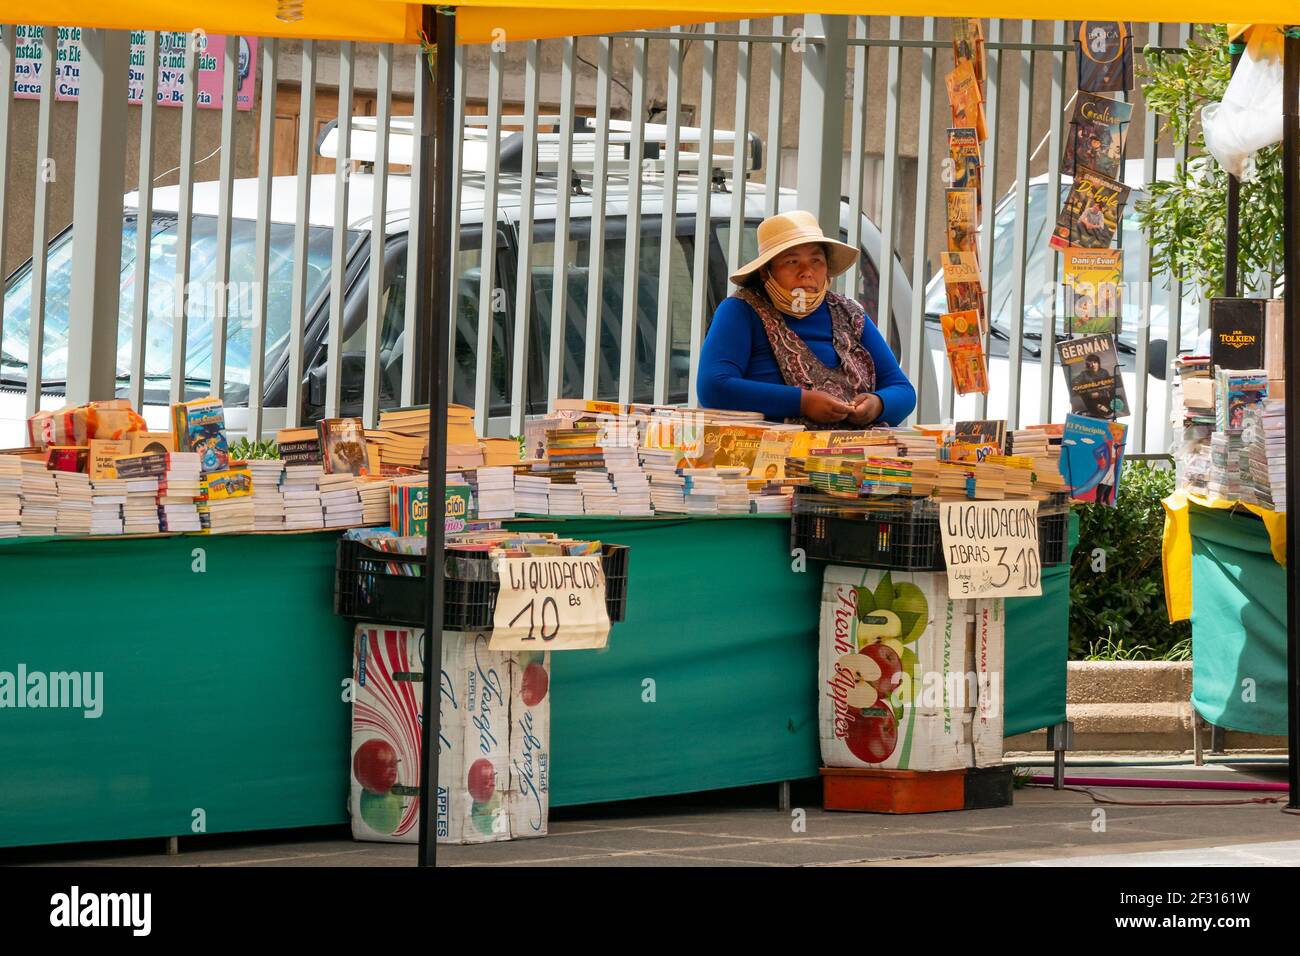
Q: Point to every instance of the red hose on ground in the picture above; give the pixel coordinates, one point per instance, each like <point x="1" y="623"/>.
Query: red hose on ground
<point x="1161" y="784"/>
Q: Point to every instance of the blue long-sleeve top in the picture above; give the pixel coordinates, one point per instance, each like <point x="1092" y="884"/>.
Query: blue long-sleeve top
<point x="738" y="370"/>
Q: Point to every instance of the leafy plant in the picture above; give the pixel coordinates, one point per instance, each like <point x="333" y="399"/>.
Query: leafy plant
<point x="244" y="450"/>
<point x="1187" y="215"/>
<point x="1117" y="595"/>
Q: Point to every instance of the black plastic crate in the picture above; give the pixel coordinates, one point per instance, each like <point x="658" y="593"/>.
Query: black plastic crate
<point x="368" y="587"/>
<point x="1053" y="535"/>
<point x="900" y="534"/>
<point x="989" y="787"/>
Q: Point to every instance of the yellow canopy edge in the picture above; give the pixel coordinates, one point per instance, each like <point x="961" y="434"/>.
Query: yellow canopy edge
<point x="1176" y="552"/>
<point x="482" y="21"/>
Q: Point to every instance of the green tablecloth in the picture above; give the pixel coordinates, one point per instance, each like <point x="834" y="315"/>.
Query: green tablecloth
<point x="1238" y="624"/>
<point x="223" y="699"/>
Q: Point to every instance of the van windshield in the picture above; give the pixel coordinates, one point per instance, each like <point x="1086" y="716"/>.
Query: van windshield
<point x="205" y="297"/>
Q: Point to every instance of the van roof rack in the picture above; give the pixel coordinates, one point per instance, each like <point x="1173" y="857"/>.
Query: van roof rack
<point x="510" y="147"/>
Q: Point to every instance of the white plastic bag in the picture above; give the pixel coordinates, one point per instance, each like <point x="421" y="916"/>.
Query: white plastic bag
<point x="1250" y="115"/>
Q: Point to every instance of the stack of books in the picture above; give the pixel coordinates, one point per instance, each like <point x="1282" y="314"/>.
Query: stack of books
<point x="374" y="501"/>
<point x="179" y="488"/>
<point x="734" y="499"/>
<point x="1264" y="439"/>
<point x="40" y="498"/>
<point x="463" y="449"/>
<point x="493" y="488"/>
<point x="702" y="491"/>
<point x="301" y="493"/>
<point x="598" y="496"/>
<point x="770" y="498"/>
<point x="668" y="493"/>
<point x="500" y="452"/>
<point x="946" y="480"/>
<point x="565" y="499"/>
<point x="397" y="452"/>
<point x="570" y="450"/>
<point x="532" y="494"/>
<point x="1194" y="397"/>
<point x="73" y="514"/>
<point x="619" y="442"/>
<point x="914" y="444"/>
<point x="1234" y="389"/>
<point x="1225" y="465"/>
<point x="11" y="495"/>
<point x="268" y="501"/>
<point x="228" y="501"/>
<point x="340" y="502"/>
<point x="299" y="446"/>
<point x="140" y="511"/>
<point x="1018" y="474"/>
<point x="107" y="496"/>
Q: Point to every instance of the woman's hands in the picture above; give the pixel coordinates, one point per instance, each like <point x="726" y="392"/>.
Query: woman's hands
<point x="867" y="407"/>
<point x="823" y="408"/>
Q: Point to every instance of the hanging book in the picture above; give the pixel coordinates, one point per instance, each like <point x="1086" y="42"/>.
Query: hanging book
<point x="1091" y="212"/>
<point x="1092" y="454"/>
<point x="968" y="44"/>
<point x="965" y="98"/>
<point x="1093" y="279"/>
<point x="963" y="219"/>
<point x="1104" y="51"/>
<point x="961" y="283"/>
<point x="961" y="336"/>
<point x="1098" y="129"/>
<point x="1093" y="376"/>
<point x="964" y="157"/>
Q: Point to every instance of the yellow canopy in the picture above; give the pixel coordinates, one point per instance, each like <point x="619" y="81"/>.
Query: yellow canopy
<point x="480" y="21"/>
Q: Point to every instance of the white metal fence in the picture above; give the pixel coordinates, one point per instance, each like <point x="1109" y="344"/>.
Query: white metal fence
<point x="591" y="247"/>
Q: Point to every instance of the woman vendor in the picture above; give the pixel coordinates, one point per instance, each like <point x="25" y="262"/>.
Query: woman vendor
<point x="785" y="345"/>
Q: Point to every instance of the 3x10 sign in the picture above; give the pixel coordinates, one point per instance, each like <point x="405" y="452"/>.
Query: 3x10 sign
<point x="991" y="548"/>
<point x="550" y="603"/>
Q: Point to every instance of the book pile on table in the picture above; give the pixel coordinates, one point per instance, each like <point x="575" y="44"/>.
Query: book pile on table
<point x="571" y="450"/>
<point x="396" y="450"/>
<point x="598" y="495"/>
<point x="140" y="510"/>
<point x="73" y="514"/>
<point x="500" y="452"/>
<point x="227" y="505"/>
<point x="374" y="494"/>
<point x="914" y="444"/>
<point x="619" y="442"/>
<point x="493" y="488"/>
<point x="1194" y="394"/>
<point x="340" y="502"/>
<point x="769" y="497"/>
<point x="268" y="500"/>
<point x="1225" y="465"/>
<point x="703" y="489"/>
<point x="1263" y="435"/>
<point x="565" y="499"/>
<point x="668" y="493"/>
<point x="734" y="499"/>
<point x="41" y="499"/>
<point x="11" y="495"/>
<point x="179" y="488"/>
<point x="107" y="496"/>
<point x="301" y="493"/>
<point x="532" y="494"/>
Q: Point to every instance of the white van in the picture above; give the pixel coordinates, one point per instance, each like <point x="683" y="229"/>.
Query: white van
<point x="158" y="358"/>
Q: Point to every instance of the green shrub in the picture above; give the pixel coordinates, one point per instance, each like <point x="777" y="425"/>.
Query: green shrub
<point x="1119" y="613"/>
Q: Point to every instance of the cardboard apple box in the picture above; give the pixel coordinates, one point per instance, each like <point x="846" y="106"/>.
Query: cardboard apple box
<point x="988" y="645"/>
<point x="893" y="683"/>
<point x="473" y="762"/>
<point x="530" y="743"/>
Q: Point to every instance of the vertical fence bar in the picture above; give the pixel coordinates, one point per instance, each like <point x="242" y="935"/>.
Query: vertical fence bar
<point x="1150" y="139"/>
<point x="302" y="232"/>
<point x="143" y="222"/>
<point x="8" y="45"/>
<point x="41" y="221"/>
<point x="339" y="239"/>
<point x="1024" y="114"/>
<point x="1052" y="284"/>
<point x="262" y="250"/>
<point x="889" y="199"/>
<point x="1175" y="330"/>
<point x="487" y="286"/>
<point x="563" y="195"/>
<point x="857" y="155"/>
<point x="989" y="182"/>
<point x="917" y="354"/>
<point x="632" y="240"/>
<point x="225" y="196"/>
<point x="457" y="182"/>
<point x="703" y="200"/>
<point x="740" y="157"/>
<point x="668" y="223"/>
<point x="378" y="236"/>
<point x="524" y="280"/>
<point x="411" y="318"/>
<point x="776" y="94"/>
<point x="185" y="221"/>
<point x="596" y="234"/>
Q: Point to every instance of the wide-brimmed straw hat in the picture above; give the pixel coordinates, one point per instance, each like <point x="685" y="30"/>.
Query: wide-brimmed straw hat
<point x="779" y="233"/>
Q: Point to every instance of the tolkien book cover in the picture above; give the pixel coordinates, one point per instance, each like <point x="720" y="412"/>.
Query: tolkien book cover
<point x="1237" y="332"/>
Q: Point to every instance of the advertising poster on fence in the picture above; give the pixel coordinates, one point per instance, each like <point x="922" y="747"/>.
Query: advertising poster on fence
<point x="991" y="548"/>
<point x="550" y="604"/>
<point x="30" y="69"/>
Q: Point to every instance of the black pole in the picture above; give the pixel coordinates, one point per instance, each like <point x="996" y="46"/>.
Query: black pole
<point x="1291" y="236"/>
<point x="1236" y="48"/>
<point x="437" y="140"/>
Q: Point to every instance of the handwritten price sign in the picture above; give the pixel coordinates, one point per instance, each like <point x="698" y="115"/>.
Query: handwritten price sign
<point x="550" y="604"/>
<point x="991" y="548"/>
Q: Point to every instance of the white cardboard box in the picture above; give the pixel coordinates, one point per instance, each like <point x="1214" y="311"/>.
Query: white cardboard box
<point x="988" y="644"/>
<point x="530" y="743"/>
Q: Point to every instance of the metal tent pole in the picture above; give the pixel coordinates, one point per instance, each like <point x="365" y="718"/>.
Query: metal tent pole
<point x="1291" y="236"/>
<point x="437" y="140"/>
<point x="1232" y="226"/>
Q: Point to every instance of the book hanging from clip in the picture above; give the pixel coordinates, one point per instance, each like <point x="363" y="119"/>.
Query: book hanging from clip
<point x="1104" y="51"/>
